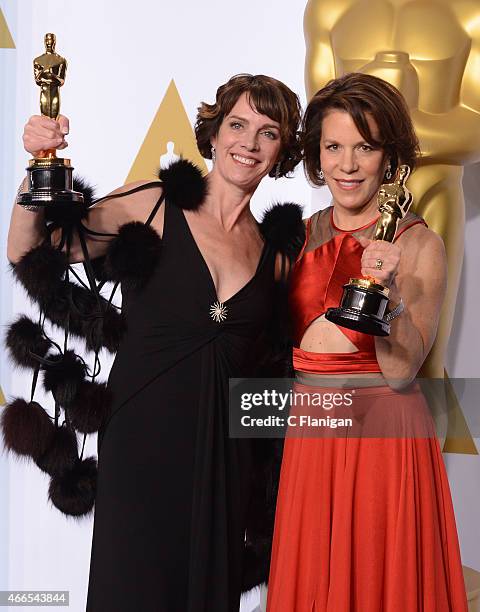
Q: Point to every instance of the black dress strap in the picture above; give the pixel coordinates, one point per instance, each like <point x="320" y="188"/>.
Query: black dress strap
<point x="91" y="232"/>
<point x="155" y="208"/>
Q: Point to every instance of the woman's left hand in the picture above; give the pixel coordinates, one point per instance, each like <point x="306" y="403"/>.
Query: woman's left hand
<point x="380" y="259"/>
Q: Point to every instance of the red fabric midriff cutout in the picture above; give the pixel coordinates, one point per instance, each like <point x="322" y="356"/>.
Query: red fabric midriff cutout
<point x="317" y="284"/>
<point x="335" y="363"/>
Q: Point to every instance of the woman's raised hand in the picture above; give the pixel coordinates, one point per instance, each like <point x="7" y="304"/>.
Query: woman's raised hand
<point x="43" y="133"/>
<point x="380" y="259"/>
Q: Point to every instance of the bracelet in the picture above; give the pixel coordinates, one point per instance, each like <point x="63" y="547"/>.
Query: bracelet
<point x="397" y="311"/>
<point x="31" y="207"/>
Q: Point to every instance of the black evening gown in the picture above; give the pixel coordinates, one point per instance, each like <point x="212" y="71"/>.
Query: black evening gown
<point x="173" y="488"/>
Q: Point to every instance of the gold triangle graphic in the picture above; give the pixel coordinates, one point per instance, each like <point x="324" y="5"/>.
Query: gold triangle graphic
<point x="459" y="439"/>
<point x="6" y="40"/>
<point x="170" y="125"/>
<point x="2" y="398"/>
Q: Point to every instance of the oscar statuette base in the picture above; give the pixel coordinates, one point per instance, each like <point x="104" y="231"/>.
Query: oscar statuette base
<point x="363" y="308"/>
<point x="50" y="183"/>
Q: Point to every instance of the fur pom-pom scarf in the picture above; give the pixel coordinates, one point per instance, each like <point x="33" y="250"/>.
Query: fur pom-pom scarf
<point x="81" y="404"/>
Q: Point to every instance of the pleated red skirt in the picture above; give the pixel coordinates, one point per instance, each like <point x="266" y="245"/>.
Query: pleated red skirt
<point x="366" y="524"/>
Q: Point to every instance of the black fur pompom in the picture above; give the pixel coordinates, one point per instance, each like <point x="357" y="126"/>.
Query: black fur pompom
<point x="62" y="453"/>
<point x="63" y="376"/>
<point x="27" y="429"/>
<point x="40" y="271"/>
<point x="91" y="407"/>
<point x="73" y="492"/>
<point x="23" y="338"/>
<point x="82" y="311"/>
<point x="105" y="330"/>
<point x="80" y="184"/>
<point x="184" y="185"/>
<point x="282" y="226"/>
<point x="72" y="306"/>
<point x="132" y="255"/>
<point x="57" y="306"/>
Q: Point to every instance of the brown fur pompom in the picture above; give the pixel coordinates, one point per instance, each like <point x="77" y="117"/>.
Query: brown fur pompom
<point x="91" y="407"/>
<point x="25" y="337"/>
<point x="61" y="454"/>
<point x="27" y="429"/>
<point x="73" y="492"/>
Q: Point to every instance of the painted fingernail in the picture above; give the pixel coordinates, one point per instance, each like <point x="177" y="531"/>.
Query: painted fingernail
<point x="64" y="130"/>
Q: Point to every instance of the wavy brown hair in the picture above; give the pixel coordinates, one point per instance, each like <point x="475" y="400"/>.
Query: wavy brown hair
<point x="267" y="96"/>
<point x="360" y="95"/>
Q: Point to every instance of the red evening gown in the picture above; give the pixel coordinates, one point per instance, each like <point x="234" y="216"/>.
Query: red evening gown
<point x="363" y="524"/>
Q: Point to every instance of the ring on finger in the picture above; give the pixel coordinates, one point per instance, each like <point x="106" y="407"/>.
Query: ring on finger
<point x="379" y="264"/>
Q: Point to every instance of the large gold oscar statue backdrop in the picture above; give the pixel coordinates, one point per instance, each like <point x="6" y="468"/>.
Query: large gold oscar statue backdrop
<point x="430" y="50"/>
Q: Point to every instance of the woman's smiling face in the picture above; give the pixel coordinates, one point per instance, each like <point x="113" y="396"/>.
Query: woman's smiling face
<point x="247" y="145"/>
<point x="353" y="168"/>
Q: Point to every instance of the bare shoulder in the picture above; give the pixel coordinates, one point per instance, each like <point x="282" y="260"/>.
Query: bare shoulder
<point x="121" y="206"/>
<point x="420" y="238"/>
<point x="133" y="185"/>
<point x="422" y="250"/>
<point x="137" y="203"/>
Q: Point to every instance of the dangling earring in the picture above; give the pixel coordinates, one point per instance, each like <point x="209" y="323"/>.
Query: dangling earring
<point x="214" y="155"/>
<point x="321" y="176"/>
<point x="277" y="170"/>
<point x="388" y="173"/>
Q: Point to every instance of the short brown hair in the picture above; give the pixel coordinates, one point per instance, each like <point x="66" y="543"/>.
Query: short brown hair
<point x="267" y="96"/>
<point x="359" y="94"/>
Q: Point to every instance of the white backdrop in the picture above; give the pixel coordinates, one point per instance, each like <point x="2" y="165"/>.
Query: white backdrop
<point x="122" y="57"/>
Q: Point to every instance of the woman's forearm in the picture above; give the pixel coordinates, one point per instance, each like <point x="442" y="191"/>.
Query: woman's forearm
<point x="421" y="283"/>
<point x="27" y="229"/>
<point x="400" y="355"/>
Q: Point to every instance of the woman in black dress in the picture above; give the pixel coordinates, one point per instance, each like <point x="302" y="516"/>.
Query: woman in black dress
<point x="173" y="489"/>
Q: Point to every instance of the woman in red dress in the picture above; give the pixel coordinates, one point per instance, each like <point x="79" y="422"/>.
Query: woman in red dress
<point x="364" y="518"/>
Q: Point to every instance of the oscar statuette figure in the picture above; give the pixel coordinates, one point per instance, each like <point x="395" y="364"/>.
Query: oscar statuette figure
<point x="50" y="178"/>
<point x="364" y="301"/>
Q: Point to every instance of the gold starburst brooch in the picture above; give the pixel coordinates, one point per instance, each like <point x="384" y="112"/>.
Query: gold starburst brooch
<point x="218" y="312"/>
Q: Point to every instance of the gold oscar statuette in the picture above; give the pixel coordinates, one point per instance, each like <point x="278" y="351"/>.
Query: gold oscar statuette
<point x="364" y="301"/>
<point x="50" y="179"/>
